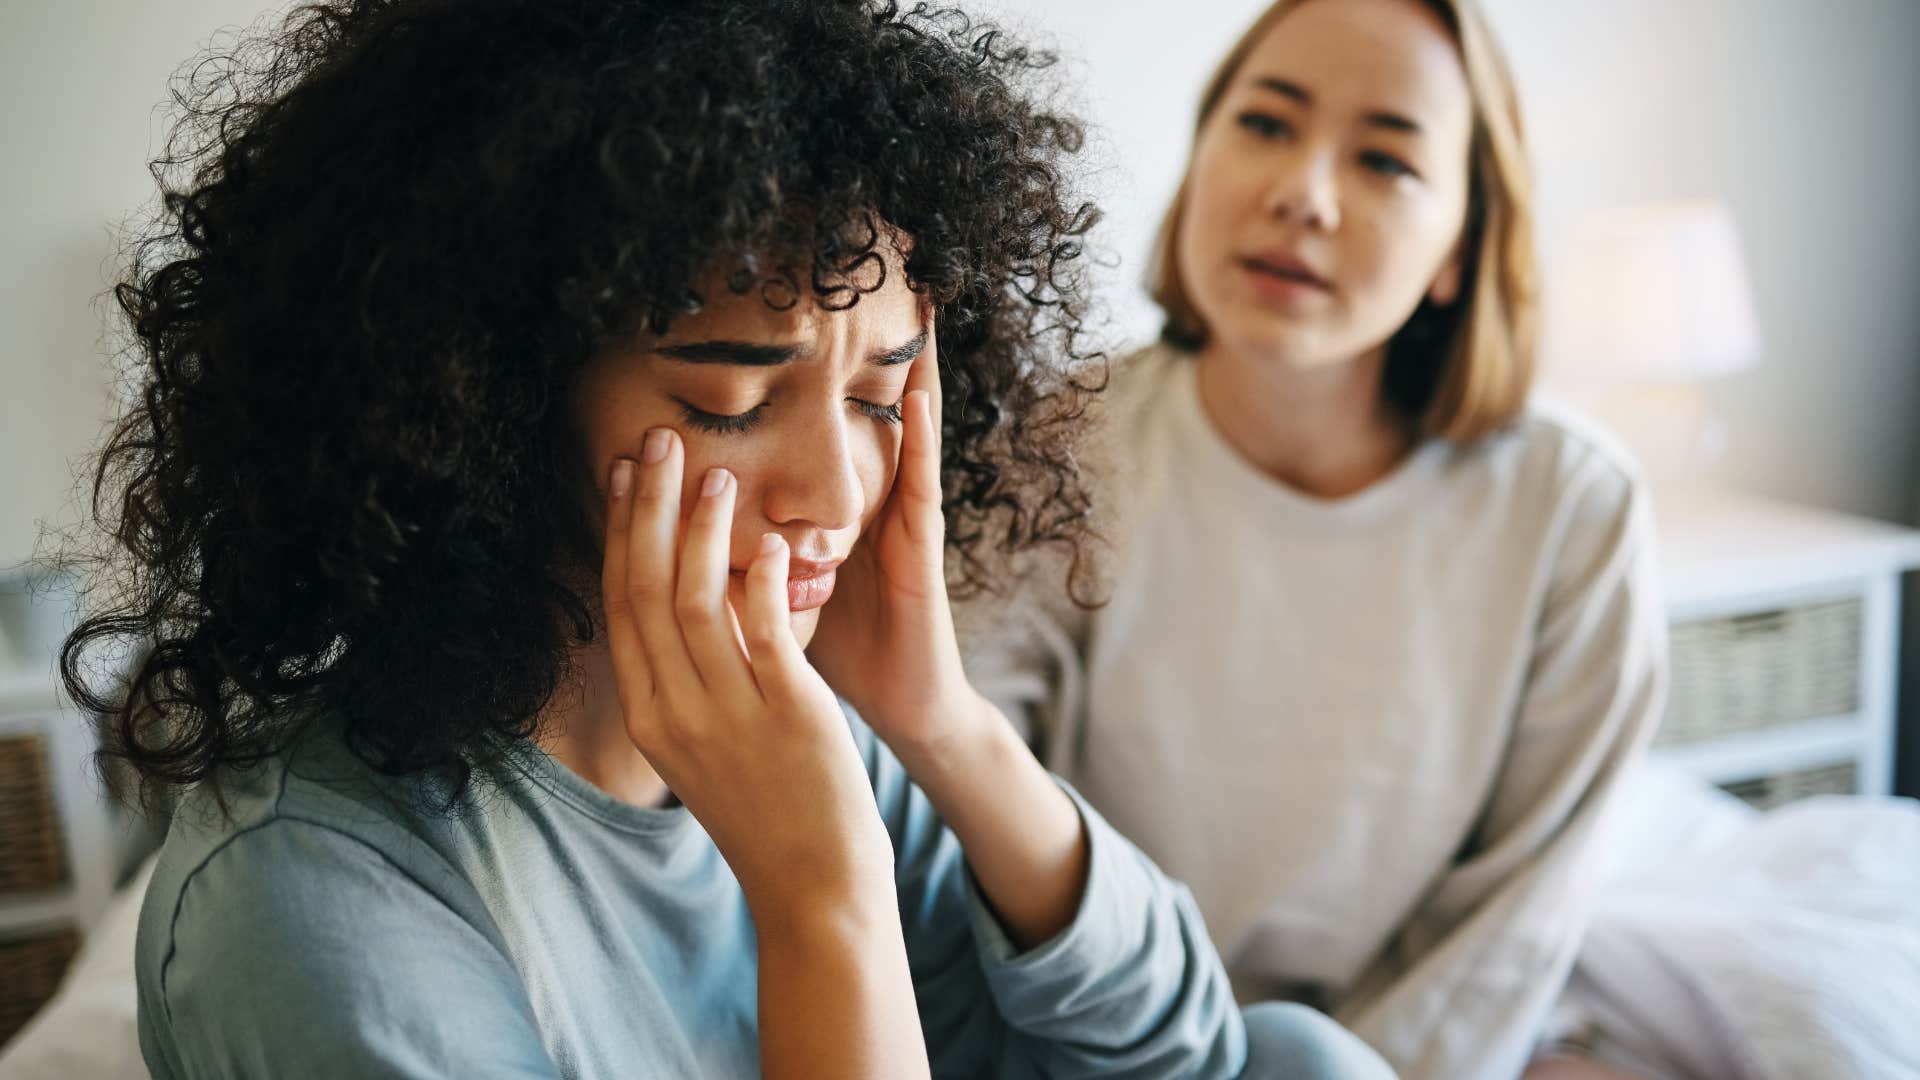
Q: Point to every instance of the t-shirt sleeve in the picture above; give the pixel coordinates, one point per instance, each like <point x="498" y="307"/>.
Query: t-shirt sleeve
<point x="295" y="950"/>
<point x="1131" y="988"/>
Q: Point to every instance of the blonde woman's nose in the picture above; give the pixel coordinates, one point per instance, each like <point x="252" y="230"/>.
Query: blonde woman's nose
<point x="1307" y="194"/>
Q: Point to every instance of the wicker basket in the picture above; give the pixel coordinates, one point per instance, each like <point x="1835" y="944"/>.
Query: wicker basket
<point x="31" y="853"/>
<point x="1750" y="672"/>
<point x="1767" y="792"/>
<point x="30" y="971"/>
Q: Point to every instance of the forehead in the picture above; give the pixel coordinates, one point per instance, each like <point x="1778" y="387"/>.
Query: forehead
<point x="1395" y="54"/>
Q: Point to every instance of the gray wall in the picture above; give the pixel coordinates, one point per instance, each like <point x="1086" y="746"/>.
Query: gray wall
<point x="1798" y="115"/>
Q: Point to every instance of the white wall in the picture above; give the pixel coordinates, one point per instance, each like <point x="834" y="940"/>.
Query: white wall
<point x="79" y="80"/>
<point x="1801" y="117"/>
<point x="1798" y="115"/>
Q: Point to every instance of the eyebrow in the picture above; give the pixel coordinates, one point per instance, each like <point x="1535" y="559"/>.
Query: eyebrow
<point x="901" y="354"/>
<point x="744" y="353"/>
<point x="754" y="354"/>
<point x="1392" y="121"/>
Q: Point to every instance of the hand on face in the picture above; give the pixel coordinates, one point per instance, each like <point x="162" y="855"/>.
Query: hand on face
<point x="720" y="697"/>
<point x="829" y="421"/>
<point x="886" y="641"/>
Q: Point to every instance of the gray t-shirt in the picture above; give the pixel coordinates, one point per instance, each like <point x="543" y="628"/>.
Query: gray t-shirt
<point x="328" y="927"/>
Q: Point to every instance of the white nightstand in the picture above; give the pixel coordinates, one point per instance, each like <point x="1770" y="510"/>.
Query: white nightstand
<point x="58" y="837"/>
<point x="1785" y="645"/>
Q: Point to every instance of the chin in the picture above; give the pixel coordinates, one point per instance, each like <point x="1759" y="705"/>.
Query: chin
<point x="1284" y="343"/>
<point x="804" y="624"/>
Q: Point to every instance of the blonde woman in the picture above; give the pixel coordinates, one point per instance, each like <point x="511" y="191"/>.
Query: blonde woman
<point x="1381" y="633"/>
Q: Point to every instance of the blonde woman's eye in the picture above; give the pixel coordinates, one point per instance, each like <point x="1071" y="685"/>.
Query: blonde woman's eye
<point x="1265" y="125"/>
<point x="1386" y="164"/>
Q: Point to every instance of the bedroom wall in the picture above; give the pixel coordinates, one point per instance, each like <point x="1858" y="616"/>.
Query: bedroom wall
<point x="80" y="80"/>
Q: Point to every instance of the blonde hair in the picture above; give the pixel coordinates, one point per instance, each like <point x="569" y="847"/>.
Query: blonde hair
<point x="1458" y="372"/>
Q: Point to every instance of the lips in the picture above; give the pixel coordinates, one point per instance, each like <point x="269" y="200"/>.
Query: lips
<point x="809" y="582"/>
<point x="1286" y="266"/>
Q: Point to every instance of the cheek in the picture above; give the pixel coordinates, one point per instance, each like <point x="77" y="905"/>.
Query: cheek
<point x="1397" y="245"/>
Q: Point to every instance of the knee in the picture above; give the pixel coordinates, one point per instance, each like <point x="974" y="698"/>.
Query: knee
<point x="1293" y="1042"/>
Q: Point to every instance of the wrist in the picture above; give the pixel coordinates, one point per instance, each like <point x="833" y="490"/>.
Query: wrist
<point x="826" y="918"/>
<point x="844" y="870"/>
<point x="962" y="734"/>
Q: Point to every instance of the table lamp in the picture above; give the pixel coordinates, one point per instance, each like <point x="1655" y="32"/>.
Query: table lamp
<point x="1652" y="302"/>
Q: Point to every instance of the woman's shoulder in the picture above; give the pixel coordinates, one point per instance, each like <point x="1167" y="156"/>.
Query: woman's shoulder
<point x="1553" y="453"/>
<point x="295" y="915"/>
<point x="1140" y="379"/>
<point x="314" y="814"/>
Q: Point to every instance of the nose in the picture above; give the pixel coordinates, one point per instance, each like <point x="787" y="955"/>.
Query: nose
<point x="1306" y="190"/>
<point x="817" y="485"/>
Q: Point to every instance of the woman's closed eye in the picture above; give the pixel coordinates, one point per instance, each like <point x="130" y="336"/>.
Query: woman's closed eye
<point x="886" y="414"/>
<point x="742" y="422"/>
<point x="721" y="423"/>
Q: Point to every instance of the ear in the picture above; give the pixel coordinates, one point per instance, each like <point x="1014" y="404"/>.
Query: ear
<point x="1446" y="284"/>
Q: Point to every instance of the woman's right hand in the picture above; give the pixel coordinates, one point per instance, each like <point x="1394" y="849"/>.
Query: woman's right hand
<point x="737" y="722"/>
<point x="747" y="734"/>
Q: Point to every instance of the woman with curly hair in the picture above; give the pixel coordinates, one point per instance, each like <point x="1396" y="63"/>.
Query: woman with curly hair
<point x="522" y="386"/>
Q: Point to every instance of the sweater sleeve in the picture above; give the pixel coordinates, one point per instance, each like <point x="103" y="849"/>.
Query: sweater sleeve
<point x="1474" y="973"/>
<point x="1131" y="988"/>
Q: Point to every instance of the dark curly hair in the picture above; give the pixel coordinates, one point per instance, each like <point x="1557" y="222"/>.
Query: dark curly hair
<point x="392" y="233"/>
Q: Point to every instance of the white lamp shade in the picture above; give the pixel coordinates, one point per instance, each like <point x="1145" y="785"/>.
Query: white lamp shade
<point x="1653" y="293"/>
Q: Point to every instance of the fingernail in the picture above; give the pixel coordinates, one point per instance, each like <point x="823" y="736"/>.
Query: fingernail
<point x="771" y="544"/>
<point x="622" y="479"/>
<point x="654" y="449"/>
<point x="715" y="483"/>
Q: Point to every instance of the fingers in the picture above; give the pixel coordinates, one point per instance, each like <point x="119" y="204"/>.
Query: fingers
<point x="632" y="678"/>
<point x="777" y="658"/>
<point x="701" y="595"/>
<point x="918" y="477"/>
<point x="925" y="375"/>
<point x="652" y="554"/>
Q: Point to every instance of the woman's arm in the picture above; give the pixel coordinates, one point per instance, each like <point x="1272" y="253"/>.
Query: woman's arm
<point x="1473" y="973"/>
<point x="1130" y="987"/>
<point x="1023" y="837"/>
<point x="836" y="995"/>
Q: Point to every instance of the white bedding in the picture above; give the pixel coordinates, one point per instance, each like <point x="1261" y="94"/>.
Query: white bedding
<point x="1728" y="943"/>
<point x="87" y="1031"/>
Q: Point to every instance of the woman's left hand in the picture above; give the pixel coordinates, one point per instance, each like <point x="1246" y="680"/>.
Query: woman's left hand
<point x="885" y="642"/>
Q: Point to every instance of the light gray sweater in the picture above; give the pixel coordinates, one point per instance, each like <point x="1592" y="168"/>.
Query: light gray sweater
<point x="1375" y="735"/>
